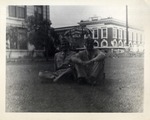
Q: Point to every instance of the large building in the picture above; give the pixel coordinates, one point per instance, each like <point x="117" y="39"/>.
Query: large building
<point x="16" y="16"/>
<point x="16" y="27"/>
<point x="110" y="32"/>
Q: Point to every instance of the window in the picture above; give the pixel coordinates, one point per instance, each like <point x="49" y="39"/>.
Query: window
<point x="120" y="43"/>
<point x="104" y="43"/>
<point x="16" y="37"/>
<point x="124" y="35"/>
<point x="96" y="43"/>
<point x="12" y="34"/>
<point x="141" y="39"/>
<point x="125" y="43"/>
<point x="104" y="33"/>
<point x="38" y="9"/>
<point x="21" y="12"/>
<point x="22" y="42"/>
<point x="114" y="32"/>
<point x="120" y="34"/>
<point x="95" y="33"/>
<point x="12" y="11"/>
<point x="17" y="11"/>
<point x="38" y="12"/>
<point x="130" y="44"/>
<point x="130" y="36"/>
<point x="134" y="37"/>
<point x="114" y="43"/>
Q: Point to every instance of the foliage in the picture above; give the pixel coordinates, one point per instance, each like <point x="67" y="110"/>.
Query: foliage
<point x="41" y="35"/>
<point x="12" y="34"/>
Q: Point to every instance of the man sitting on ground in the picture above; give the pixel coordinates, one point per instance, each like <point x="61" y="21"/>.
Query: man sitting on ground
<point x="62" y="63"/>
<point x="89" y="63"/>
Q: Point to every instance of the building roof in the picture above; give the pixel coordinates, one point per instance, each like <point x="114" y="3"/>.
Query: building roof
<point x="106" y="21"/>
<point x="65" y="28"/>
<point x="96" y="20"/>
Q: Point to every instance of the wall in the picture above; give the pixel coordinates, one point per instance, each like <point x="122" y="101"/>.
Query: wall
<point x="109" y="36"/>
<point x="18" y="22"/>
<point x="23" y="53"/>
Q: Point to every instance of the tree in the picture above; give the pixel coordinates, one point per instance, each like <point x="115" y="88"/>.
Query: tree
<point x="41" y="35"/>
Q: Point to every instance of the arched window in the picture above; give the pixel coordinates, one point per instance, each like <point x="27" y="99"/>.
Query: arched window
<point x="130" y="44"/>
<point x="114" y="43"/>
<point x="120" y="43"/>
<point x="125" y="42"/>
<point x="96" y="43"/>
<point x="104" y="43"/>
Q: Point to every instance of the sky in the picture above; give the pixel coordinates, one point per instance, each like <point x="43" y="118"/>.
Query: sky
<point x="71" y="15"/>
<point x="68" y="15"/>
<point x="63" y="15"/>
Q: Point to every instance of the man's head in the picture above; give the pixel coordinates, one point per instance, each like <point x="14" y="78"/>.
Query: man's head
<point x="89" y="44"/>
<point x="65" y="44"/>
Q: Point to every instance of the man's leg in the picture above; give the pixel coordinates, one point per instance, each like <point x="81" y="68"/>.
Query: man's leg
<point x="81" y="74"/>
<point x="96" y="72"/>
<point x="62" y="73"/>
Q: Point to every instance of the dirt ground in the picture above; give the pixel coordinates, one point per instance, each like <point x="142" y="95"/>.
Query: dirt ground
<point x="122" y="91"/>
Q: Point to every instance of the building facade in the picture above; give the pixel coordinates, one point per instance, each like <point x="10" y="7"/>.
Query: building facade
<point x="16" y="26"/>
<point x="110" y="32"/>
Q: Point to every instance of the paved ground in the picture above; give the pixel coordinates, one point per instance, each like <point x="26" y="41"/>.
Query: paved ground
<point x="122" y="91"/>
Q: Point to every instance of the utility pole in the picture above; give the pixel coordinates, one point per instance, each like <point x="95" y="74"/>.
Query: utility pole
<point x="127" y="38"/>
<point x="46" y="12"/>
<point x="46" y="37"/>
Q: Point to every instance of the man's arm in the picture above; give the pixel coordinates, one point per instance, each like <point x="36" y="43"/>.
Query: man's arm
<point x="76" y="59"/>
<point x="67" y="62"/>
<point x="64" y="65"/>
<point x="99" y="56"/>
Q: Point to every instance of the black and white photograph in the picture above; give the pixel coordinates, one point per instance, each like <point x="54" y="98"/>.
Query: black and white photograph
<point x="76" y="58"/>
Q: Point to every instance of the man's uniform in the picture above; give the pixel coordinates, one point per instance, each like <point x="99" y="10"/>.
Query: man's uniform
<point x="62" y="64"/>
<point x="95" y="69"/>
